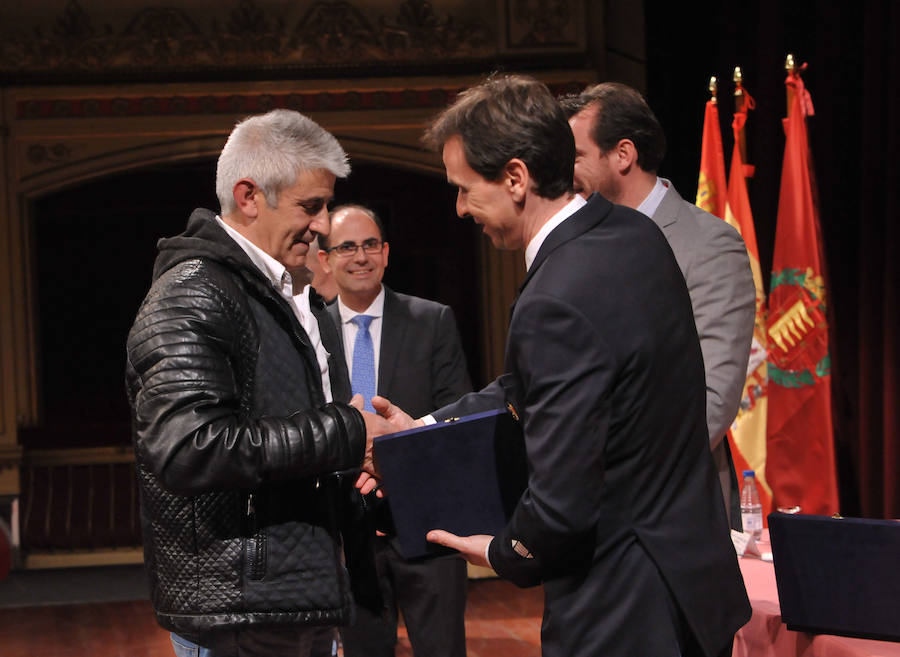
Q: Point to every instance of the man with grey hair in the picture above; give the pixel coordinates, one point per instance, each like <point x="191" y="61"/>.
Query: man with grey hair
<point x="246" y="465"/>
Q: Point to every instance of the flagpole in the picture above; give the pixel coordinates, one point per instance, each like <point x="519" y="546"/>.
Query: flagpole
<point x="739" y="102"/>
<point x="791" y="70"/>
<point x="712" y="185"/>
<point x="800" y="459"/>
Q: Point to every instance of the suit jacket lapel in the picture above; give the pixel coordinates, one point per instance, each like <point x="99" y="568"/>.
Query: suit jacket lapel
<point x="579" y="223"/>
<point x="667" y="212"/>
<point x="332" y="339"/>
<point x="394" y="324"/>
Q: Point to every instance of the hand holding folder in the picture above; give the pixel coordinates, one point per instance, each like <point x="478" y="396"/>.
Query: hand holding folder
<point x="389" y="419"/>
<point x="464" y="476"/>
<point x="472" y="548"/>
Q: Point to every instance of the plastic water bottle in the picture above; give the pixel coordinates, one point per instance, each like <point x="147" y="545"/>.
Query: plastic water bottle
<point x="751" y="509"/>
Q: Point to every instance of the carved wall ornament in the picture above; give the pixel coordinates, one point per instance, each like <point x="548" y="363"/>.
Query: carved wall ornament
<point x="38" y="154"/>
<point x="271" y="35"/>
<point x="250" y="103"/>
<point x="545" y="23"/>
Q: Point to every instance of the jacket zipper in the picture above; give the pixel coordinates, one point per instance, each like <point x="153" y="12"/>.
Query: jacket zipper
<point x="254" y="545"/>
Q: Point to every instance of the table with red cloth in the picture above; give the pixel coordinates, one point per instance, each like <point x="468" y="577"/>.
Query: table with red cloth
<point x="766" y="636"/>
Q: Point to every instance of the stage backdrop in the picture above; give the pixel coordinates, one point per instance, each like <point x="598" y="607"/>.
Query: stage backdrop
<point x="853" y="76"/>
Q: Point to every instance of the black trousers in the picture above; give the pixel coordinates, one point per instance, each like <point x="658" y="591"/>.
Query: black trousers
<point x="431" y="595"/>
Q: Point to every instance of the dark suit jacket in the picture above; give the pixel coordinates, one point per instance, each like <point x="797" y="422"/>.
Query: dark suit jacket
<point x="622" y="513"/>
<point x="421" y="365"/>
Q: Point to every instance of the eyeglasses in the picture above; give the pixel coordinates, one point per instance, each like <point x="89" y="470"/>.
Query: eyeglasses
<point x="347" y="249"/>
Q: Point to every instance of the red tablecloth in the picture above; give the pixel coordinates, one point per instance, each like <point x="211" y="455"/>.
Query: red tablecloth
<point x="766" y="636"/>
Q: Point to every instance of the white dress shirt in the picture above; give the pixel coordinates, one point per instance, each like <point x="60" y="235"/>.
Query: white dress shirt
<point x="650" y="204"/>
<point x="534" y="245"/>
<point x="281" y="281"/>
<point x="349" y="329"/>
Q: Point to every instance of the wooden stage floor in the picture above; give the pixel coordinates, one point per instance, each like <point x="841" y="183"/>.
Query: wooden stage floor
<point x="501" y="621"/>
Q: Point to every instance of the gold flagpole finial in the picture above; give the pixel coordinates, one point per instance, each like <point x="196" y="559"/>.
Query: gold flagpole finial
<point x="791" y="69"/>
<point x="738" y="78"/>
<point x="713" y="88"/>
<point x="789" y="65"/>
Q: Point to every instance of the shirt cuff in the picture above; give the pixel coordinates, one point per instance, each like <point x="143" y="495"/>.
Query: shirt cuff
<point x="487" y="551"/>
<point x="428" y="419"/>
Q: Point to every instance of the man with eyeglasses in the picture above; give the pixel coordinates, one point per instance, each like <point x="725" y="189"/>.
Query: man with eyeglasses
<point x="408" y="350"/>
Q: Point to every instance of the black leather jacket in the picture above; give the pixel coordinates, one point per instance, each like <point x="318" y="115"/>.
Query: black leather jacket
<point x="235" y="447"/>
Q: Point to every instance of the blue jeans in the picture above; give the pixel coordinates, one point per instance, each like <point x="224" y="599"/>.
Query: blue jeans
<point x="185" y="648"/>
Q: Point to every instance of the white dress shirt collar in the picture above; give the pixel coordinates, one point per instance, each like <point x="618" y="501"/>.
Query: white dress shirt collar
<point x="375" y="309"/>
<point x="282" y="281"/>
<point x="534" y="245"/>
<point x="650" y="204"/>
<point x="269" y="266"/>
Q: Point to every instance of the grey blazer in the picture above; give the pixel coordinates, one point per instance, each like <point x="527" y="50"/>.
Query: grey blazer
<point x="713" y="258"/>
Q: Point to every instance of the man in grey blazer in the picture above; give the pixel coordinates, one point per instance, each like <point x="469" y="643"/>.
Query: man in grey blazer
<point x="619" y="146"/>
<point x="419" y="363"/>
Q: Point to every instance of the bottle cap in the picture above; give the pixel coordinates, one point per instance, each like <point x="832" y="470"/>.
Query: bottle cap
<point x="749" y="473"/>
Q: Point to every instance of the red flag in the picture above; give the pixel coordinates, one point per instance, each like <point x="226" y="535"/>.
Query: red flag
<point x="711" y="185"/>
<point x="748" y="432"/>
<point x="800" y="451"/>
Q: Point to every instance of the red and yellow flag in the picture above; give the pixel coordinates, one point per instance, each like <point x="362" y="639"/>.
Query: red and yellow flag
<point x="711" y="184"/>
<point x="748" y="432"/>
<point x="800" y="466"/>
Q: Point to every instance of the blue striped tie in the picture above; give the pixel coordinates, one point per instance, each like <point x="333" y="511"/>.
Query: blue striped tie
<point x="364" y="361"/>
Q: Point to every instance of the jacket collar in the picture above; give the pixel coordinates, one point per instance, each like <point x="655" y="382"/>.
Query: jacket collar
<point x="667" y="211"/>
<point x="591" y="214"/>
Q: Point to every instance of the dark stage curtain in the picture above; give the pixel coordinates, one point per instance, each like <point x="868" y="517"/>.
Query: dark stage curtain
<point x="877" y="422"/>
<point x="853" y="76"/>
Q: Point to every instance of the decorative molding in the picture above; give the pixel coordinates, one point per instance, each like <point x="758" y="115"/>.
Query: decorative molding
<point x="79" y="456"/>
<point x="40" y="560"/>
<point x="249" y="103"/>
<point x="254" y="35"/>
<point x="541" y="24"/>
<point x="10" y="456"/>
<point x="57" y="153"/>
<point x="234" y="103"/>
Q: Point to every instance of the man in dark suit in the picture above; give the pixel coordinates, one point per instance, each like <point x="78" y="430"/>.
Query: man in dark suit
<point x="619" y="146"/>
<point x="621" y="520"/>
<point x="419" y="362"/>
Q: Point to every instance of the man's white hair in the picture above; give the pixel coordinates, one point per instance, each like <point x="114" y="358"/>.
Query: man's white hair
<point x="273" y="149"/>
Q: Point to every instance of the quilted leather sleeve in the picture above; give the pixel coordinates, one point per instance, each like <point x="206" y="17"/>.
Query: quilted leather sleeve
<point x="191" y="355"/>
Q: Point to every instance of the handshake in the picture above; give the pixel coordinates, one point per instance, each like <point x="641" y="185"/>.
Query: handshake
<point x="391" y="419"/>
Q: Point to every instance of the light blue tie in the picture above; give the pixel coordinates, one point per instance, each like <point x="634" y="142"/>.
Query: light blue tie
<point x="364" y="361"/>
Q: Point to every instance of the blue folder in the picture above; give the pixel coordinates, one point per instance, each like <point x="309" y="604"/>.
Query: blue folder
<point x="465" y="475"/>
<point x="838" y="575"/>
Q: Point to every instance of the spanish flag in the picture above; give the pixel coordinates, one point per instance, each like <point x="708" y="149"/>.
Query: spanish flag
<point x="711" y="185"/>
<point x="748" y="432"/>
<point x="800" y="466"/>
